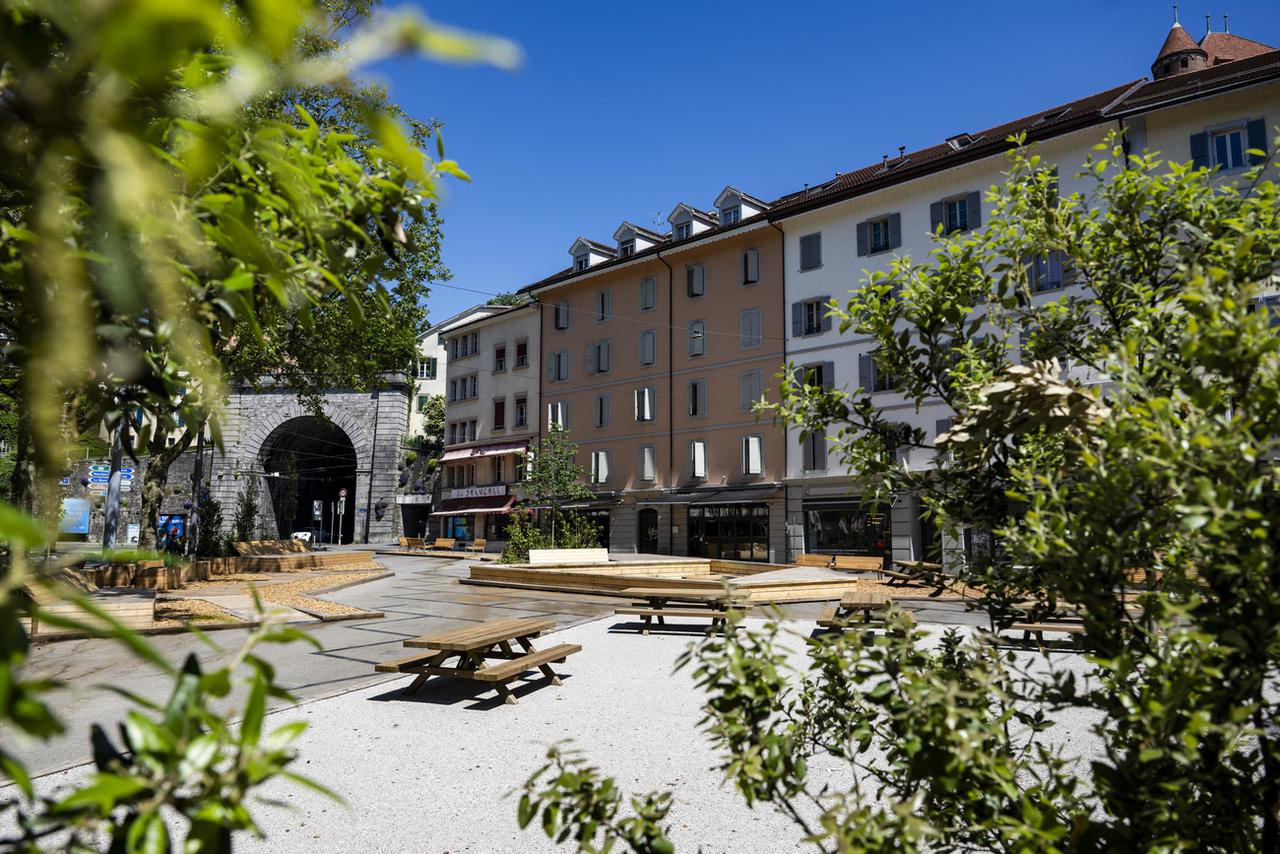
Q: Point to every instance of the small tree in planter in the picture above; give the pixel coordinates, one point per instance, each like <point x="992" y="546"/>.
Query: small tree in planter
<point x="552" y="480"/>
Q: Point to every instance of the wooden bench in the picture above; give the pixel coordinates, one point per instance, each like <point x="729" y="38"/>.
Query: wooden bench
<point x="477" y="546"/>
<point x="411" y="543"/>
<point x="840" y="616"/>
<point x="444" y="544"/>
<point x="551" y="557"/>
<point x="858" y="563"/>
<point x="474" y="646"/>
<point x="821" y="561"/>
<point x="258" y="548"/>
<point x="1071" y="627"/>
<point x="691" y="604"/>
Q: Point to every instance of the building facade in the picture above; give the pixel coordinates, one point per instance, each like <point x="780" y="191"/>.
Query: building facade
<point x="656" y="351"/>
<point x="492" y="400"/>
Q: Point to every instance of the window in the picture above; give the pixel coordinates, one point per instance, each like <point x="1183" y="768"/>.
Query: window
<point x="598" y="357"/>
<point x="500" y="358"/>
<point x="470" y="471"/>
<point x="695" y="280"/>
<point x="648" y="468"/>
<point x="750" y="389"/>
<point x="698" y="459"/>
<point x="814" y="452"/>
<point x="730" y="216"/>
<point x="684" y="230"/>
<point x="749" y="323"/>
<point x="453" y="390"/>
<point x="648" y="293"/>
<point x="878" y="235"/>
<point x="626" y="248"/>
<point x="957" y="212"/>
<point x="581" y="262"/>
<point x="562" y="315"/>
<point x="604" y="306"/>
<point x="810" y="317"/>
<point x="453" y="432"/>
<point x="558" y="414"/>
<point x="558" y="366"/>
<point x="1229" y="148"/>
<point x="423" y="400"/>
<point x="872" y="377"/>
<point x="471" y="430"/>
<point x="752" y="455"/>
<point x="697" y="338"/>
<point x="463" y="388"/>
<point x="750" y="266"/>
<point x="427" y="368"/>
<point x="520" y="468"/>
<point x="648" y="347"/>
<point x="698" y="398"/>
<point x="819" y="374"/>
<point x="499" y="470"/>
<point x="1271" y="305"/>
<point x="1046" y="272"/>
<point x="522" y="354"/>
<point x="811" y="251"/>
<point x="599" y="466"/>
<point x="522" y="411"/>
<point x="602" y="410"/>
<point x="645" y="399"/>
<point x="500" y="413"/>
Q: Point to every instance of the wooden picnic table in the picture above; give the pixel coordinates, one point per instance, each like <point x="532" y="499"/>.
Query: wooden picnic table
<point x="484" y="653"/>
<point x="853" y="601"/>
<point x="654" y="603"/>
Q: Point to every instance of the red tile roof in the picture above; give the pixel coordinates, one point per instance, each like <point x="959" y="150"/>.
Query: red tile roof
<point x="1177" y="41"/>
<point x="1198" y="84"/>
<point x="1226" y="47"/>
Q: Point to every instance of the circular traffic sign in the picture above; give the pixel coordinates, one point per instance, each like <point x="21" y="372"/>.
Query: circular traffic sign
<point x="342" y="493"/>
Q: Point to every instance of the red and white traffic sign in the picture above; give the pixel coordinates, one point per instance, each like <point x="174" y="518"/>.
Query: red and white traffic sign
<point x="342" y="493"/>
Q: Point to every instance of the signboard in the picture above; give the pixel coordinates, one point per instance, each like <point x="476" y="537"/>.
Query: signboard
<point x="477" y="491"/>
<point x="100" y="477"/>
<point x="342" y="493"/>
<point x="317" y="508"/>
<point x="75" y="516"/>
<point x="135" y="532"/>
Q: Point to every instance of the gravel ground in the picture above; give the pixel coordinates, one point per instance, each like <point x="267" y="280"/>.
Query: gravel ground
<point x="435" y="771"/>
<point x="181" y="612"/>
<point x="291" y="593"/>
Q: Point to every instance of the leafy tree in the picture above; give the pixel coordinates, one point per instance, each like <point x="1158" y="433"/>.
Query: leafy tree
<point x="1127" y="468"/>
<point x="208" y="539"/>
<point x="245" y="525"/>
<point x="508" y="298"/>
<point x="552" y="480"/>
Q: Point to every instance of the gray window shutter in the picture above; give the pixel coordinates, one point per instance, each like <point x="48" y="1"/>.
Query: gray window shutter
<point x="797" y="319"/>
<point x="826" y="317"/>
<point x="591" y="358"/>
<point x="1200" y="150"/>
<point x="941" y="426"/>
<point x="862" y="238"/>
<point x="1256" y="131"/>
<point x="866" y="372"/>
<point x="937" y="215"/>
<point x="828" y="375"/>
<point x="974" y="204"/>
<point x="551" y="366"/>
<point x="1068" y="270"/>
<point x="744" y="391"/>
<point x="895" y="230"/>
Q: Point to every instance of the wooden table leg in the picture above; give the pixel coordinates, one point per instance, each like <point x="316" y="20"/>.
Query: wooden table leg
<point x="505" y="693"/>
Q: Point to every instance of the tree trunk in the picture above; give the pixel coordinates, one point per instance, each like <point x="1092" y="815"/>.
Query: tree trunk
<point x="22" y="481"/>
<point x="154" y="483"/>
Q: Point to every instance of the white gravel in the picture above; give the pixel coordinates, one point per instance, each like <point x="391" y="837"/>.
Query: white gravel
<point x="434" y="772"/>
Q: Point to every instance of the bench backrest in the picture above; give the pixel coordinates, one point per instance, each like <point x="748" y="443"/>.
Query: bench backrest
<point x="444" y="543"/>
<point x="543" y="557"/>
<point x="479" y="544"/>
<point x="859" y="562"/>
<point x="813" y="560"/>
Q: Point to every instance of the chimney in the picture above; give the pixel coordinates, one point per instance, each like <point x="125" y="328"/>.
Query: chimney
<point x="1208" y="28"/>
<point x="1175" y="14"/>
<point x="1225" y="28"/>
<point x="902" y="151"/>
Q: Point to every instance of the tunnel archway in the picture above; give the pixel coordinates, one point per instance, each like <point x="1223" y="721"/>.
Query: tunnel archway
<point x="307" y="460"/>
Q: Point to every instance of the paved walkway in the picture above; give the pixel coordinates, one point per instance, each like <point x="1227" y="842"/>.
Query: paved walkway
<point x="421" y="597"/>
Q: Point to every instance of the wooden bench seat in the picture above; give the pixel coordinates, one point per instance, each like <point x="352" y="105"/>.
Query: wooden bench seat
<point x="409" y="664"/>
<point x="639" y="611"/>
<point x="507" y="670"/>
<point x="821" y="561"/>
<point x="858" y="563"/>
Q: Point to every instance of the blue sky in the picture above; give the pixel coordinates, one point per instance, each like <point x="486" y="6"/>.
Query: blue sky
<point x="622" y="110"/>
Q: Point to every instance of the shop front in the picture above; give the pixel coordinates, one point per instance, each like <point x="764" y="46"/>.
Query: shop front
<point x="476" y="512"/>
<point x="847" y="527"/>
<point x="734" y="524"/>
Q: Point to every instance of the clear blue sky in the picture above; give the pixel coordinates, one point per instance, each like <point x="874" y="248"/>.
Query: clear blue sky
<point x="622" y="110"/>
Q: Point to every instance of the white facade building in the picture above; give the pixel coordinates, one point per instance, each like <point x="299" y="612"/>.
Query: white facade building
<point x="840" y="232"/>
<point x="432" y="365"/>
<point x="491" y="414"/>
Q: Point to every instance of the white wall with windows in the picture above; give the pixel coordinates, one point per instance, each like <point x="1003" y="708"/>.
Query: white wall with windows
<point x="492" y="392"/>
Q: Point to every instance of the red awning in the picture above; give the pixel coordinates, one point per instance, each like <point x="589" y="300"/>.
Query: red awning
<point x="484" y="451"/>
<point x="468" y="506"/>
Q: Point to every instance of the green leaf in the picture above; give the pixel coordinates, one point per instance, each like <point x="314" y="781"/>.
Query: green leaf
<point x="18" y="527"/>
<point x="103" y="794"/>
<point x="148" y="835"/>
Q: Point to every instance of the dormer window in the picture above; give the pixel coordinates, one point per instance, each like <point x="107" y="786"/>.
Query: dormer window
<point x="581" y="262"/>
<point x="627" y="248"/>
<point x="684" y="230"/>
<point x="730" y="216"/>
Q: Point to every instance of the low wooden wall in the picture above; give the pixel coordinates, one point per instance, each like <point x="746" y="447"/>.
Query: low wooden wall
<point x="154" y="575"/>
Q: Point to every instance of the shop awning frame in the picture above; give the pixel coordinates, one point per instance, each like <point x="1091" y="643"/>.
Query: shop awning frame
<point x="477" y="506"/>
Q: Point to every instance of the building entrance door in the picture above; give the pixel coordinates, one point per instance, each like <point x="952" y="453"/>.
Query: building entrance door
<point x="647" y="522"/>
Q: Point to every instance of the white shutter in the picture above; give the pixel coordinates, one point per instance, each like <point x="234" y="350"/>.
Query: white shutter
<point x="752" y="462"/>
<point x="602" y="468"/>
<point x="648" y="463"/>
<point x="698" y="458"/>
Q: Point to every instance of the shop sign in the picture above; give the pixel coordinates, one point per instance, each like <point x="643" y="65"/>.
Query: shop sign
<point x="477" y="491"/>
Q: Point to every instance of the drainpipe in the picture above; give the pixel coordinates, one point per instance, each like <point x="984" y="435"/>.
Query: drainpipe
<point x="1124" y="140"/>
<point x="786" y="445"/>
<point x="671" y="406"/>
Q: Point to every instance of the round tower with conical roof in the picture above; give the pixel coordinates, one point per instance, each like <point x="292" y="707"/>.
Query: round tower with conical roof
<point x="1179" y="54"/>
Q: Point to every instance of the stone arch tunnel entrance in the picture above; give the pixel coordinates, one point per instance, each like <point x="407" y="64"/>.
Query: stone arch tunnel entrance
<point x="308" y="460"/>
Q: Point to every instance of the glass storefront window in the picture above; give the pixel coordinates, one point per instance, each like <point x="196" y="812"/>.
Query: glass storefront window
<point x="459" y="527"/>
<point x="495" y="526"/>
<point x="847" y="529"/>
<point x="729" y="531"/>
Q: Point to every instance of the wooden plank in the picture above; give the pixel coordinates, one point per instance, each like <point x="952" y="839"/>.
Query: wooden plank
<point x="677" y="594"/>
<point x="1070" y="628"/>
<point x="403" y="665"/>
<point x="510" y="669"/>
<point x="485" y="634"/>
<point x="858" y="563"/>
<point x="673" y="612"/>
<point x="548" y="557"/>
<point x="863" y="599"/>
